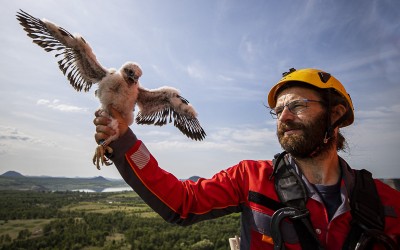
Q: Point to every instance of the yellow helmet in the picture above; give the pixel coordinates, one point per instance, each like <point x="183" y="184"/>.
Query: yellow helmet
<point x="314" y="77"/>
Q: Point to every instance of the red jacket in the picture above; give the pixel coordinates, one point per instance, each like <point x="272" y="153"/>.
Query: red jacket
<point x="187" y="202"/>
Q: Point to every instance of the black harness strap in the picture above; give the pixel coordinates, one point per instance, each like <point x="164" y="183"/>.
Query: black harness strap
<point x="292" y="193"/>
<point x="368" y="222"/>
<point x="265" y="201"/>
<point x="366" y="205"/>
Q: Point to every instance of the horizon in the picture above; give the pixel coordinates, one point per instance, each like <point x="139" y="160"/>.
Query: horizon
<point x="19" y="173"/>
<point x="223" y="56"/>
<point x="80" y="177"/>
<point x="119" y="179"/>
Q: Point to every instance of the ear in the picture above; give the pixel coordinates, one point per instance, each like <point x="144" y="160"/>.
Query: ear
<point x="337" y="112"/>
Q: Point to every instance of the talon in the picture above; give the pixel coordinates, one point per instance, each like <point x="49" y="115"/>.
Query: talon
<point x="99" y="155"/>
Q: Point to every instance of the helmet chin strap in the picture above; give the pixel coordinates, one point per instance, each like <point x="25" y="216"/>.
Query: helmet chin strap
<point x="328" y="135"/>
<point x="330" y="127"/>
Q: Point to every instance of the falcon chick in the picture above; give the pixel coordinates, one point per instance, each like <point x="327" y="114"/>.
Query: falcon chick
<point x="120" y="89"/>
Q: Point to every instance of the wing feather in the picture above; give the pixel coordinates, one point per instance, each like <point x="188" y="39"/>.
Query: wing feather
<point x="78" y="63"/>
<point x="161" y="106"/>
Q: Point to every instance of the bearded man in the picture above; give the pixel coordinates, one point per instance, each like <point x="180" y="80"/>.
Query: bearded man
<point x="306" y="198"/>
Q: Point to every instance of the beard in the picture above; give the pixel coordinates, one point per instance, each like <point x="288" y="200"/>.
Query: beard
<point x="309" y="143"/>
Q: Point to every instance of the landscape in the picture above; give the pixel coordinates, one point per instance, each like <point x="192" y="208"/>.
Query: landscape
<point x="90" y="214"/>
<point x="44" y="213"/>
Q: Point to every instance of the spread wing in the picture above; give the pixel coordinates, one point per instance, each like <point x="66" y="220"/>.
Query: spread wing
<point x="160" y="106"/>
<point x="78" y="62"/>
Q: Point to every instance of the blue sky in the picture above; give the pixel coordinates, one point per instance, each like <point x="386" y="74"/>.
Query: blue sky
<point x="223" y="56"/>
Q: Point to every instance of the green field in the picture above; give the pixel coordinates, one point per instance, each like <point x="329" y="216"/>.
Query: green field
<point x="13" y="227"/>
<point x="73" y="220"/>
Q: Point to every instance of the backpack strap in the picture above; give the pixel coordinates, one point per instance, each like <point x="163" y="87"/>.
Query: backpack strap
<point x="368" y="222"/>
<point x="292" y="192"/>
<point x="366" y="206"/>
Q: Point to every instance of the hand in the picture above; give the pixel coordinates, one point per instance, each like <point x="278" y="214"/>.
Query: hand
<point x="102" y="120"/>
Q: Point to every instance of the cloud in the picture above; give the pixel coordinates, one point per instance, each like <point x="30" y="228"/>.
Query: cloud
<point x="195" y="71"/>
<point x="225" y="78"/>
<point x="243" y="139"/>
<point x="7" y="133"/>
<point x="383" y="112"/>
<point x="250" y="48"/>
<point x="12" y="136"/>
<point x="56" y="105"/>
<point x="374" y="140"/>
<point x="369" y="59"/>
<point x="223" y="147"/>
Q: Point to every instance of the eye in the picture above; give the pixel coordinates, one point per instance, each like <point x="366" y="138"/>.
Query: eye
<point x="279" y="110"/>
<point x="297" y="106"/>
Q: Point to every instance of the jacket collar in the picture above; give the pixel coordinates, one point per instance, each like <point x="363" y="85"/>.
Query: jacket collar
<point x="347" y="185"/>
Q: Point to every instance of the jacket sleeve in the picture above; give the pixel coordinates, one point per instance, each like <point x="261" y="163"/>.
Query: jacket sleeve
<point x="180" y="202"/>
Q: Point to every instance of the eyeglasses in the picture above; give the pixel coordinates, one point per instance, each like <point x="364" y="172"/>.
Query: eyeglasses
<point x="295" y="107"/>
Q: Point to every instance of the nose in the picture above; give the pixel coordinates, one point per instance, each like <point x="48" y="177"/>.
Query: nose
<point x="286" y="115"/>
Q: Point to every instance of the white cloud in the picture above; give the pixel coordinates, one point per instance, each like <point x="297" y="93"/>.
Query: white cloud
<point x="243" y="139"/>
<point x="13" y="137"/>
<point x="195" y="71"/>
<point x="249" y="49"/>
<point x="8" y="133"/>
<point x="374" y="141"/>
<point x="56" y="105"/>
<point x="382" y="116"/>
<point x="225" y="78"/>
<point x="358" y="60"/>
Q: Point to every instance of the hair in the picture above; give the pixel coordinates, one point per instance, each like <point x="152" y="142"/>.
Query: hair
<point x="331" y="98"/>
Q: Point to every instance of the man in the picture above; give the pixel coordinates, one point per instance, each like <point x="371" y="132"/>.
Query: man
<point x="305" y="202"/>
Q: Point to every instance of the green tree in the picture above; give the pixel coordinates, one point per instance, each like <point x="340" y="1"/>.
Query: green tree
<point x="24" y="234"/>
<point x="205" y="244"/>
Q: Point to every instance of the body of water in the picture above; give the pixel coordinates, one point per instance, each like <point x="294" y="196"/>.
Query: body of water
<point x="109" y="190"/>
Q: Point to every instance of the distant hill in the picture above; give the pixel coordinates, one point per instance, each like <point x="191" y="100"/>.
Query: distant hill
<point x="100" y="178"/>
<point x="12" y="174"/>
<point x="12" y="180"/>
<point x="394" y="183"/>
<point x="194" y="178"/>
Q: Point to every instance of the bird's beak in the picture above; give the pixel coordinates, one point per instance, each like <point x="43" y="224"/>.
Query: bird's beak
<point x="133" y="78"/>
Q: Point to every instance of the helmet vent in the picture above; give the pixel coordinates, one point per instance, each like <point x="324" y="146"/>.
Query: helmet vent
<point x="287" y="73"/>
<point x="324" y="76"/>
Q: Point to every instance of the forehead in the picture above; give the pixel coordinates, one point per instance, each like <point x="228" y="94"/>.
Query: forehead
<point x="295" y="93"/>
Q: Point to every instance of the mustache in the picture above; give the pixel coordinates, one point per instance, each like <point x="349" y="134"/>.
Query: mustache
<point x="283" y="127"/>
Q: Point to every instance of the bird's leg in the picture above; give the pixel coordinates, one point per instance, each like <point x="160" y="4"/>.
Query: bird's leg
<point x="96" y="156"/>
<point x="103" y="151"/>
<point x="100" y="155"/>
